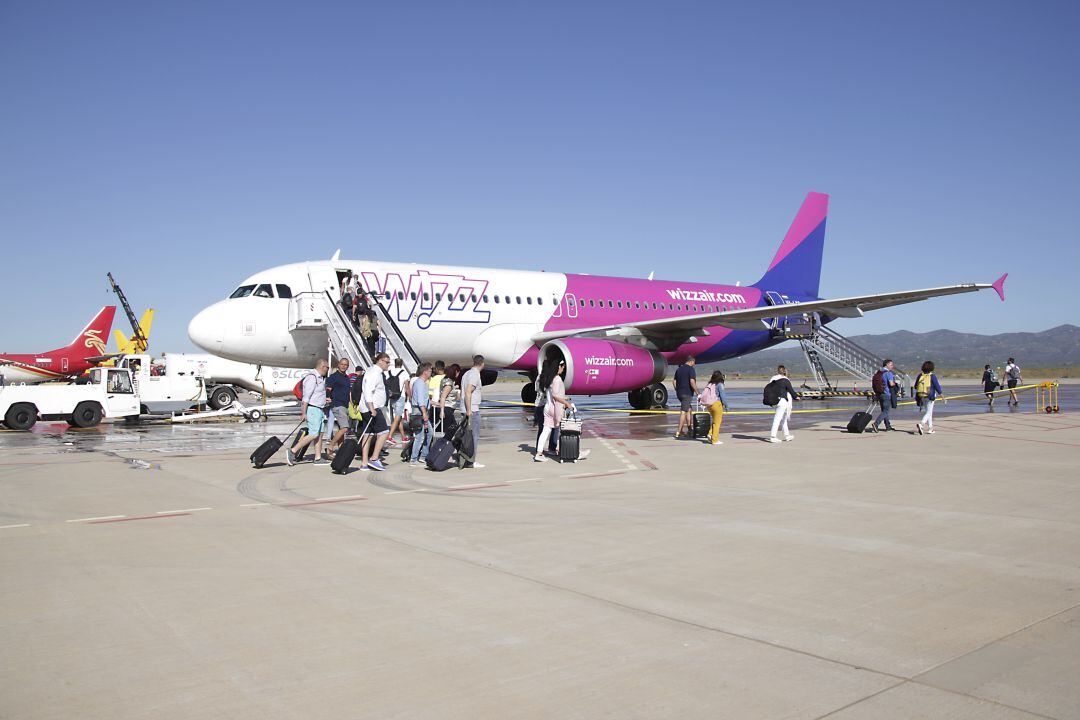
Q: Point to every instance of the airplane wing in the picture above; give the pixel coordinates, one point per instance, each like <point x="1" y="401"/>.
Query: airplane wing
<point x="753" y="318"/>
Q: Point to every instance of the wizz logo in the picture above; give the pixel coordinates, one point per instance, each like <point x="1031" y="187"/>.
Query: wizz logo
<point x="430" y="297"/>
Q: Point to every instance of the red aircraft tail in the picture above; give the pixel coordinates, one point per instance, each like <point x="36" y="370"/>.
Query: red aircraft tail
<point x="92" y="339"/>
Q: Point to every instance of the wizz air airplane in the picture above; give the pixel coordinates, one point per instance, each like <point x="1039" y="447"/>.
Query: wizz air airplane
<point x="84" y="352"/>
<point x="615" y="334"/>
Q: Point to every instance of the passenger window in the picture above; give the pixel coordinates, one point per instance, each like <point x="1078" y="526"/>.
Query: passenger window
<point x="264" y="291"/>
<point x="400" y="295"/>
<point x="619" y="303"/>
<point x="496" y="299"/>
<point x="242" y="291"/>
<point x="518" y="299"/>
<point x="438" y="297"/>
<point x="426" y="297"/>
<point x="528" y="300"/>
<point x="485" y="298"/>
<point x="283" y="291"/>
<point x="637" y="306"/>
<point x="412" y="296"/>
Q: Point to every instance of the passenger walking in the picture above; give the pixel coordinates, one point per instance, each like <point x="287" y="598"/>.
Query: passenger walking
<point x="990" y="383"/>
<point x="686" y="390"/>
<point x="928" y="387"/>
<point x="550" y="382"/>
<point x="714" y="399"/>
<point x="420" y="420"/>
<point x="312" y="407"/>
<point x="337" y="387"/>
<point x="538" y="417"/>
<point x="449" y="396"/>
<point x="471" y="396"/>
<point x="884" y="386"/>
<point x="396" y="397"/>
<point x="374" y="420"/>
<point x="1012" y="379"/>
<point x="435" y="391"/>
<point x="785" y="396"/>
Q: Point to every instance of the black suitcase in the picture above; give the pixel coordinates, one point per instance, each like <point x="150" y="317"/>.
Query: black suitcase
<point x="344" y="456"/>
<point x="702" y="424"/>
<point x="268" y="449"/>
<point x="462" y="441"/>
<point x="440" y="455"/>
<point x="859" y="421"/>
<point x="265" y="451"/>
<point x="569" y="446"/>
<point x="300" y="435"/>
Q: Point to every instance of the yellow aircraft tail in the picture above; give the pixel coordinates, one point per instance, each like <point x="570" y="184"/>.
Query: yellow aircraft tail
<point x="132" y="345"/>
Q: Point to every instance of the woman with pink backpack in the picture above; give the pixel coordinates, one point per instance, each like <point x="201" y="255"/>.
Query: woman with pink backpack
<point x="714" y="399"/>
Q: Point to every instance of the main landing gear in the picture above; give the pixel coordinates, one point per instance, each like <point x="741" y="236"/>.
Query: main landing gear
<point x="646" y="398"/>
<point x="528" y="394"/>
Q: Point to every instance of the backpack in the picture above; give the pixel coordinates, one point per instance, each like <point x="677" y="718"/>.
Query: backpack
<point x="393" y="386"/>
<point x="1014" y="372"/>
<point x="771" y="395"/>
<point x="708" y="395"/>
<point x="923" y="383"/>
<point x="877" y="383"/>
<point x="298" y="390"/>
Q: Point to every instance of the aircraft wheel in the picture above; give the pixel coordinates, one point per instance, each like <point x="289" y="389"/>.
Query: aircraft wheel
<point x="255" y="415"/>
<point x="21" y="416"/>
<point x="528" y="394"/>
<point x="638" y="399"/>
<point x="658" y="395"/>
<point x="221" y="397"/>
<point x="86" y="415"/>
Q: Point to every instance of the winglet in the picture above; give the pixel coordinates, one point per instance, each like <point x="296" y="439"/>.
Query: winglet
<point x="999" y="286"/>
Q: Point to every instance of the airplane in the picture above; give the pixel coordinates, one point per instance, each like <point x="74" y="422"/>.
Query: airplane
<point x="84" y="352"/>
<point x="615" y="334"/>
<point x="135" y="345"/>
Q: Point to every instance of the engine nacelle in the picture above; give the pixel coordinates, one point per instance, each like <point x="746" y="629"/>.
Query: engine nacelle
<point x="602" y="367"/>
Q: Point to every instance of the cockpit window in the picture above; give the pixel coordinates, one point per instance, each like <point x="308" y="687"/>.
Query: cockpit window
<point x="264" y="291"/>
<point x="242" y="291"/>
<point x="283" y="291"/>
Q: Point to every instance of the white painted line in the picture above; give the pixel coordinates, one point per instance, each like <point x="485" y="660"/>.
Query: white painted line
<point x="342" y="497"/>
<point x="8" y="527"/>
<point x="469" y="485"/>
<point x="524" y="480"/>
<point x="170" y="512"/>
<point x="400" y="492"/>
<point x="254" y="504"/>
<point x="103" y="517"/>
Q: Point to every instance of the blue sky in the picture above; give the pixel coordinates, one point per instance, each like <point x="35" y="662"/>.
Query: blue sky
<point x="185" y="145"/>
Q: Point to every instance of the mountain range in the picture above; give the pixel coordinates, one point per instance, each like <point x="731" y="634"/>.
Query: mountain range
<point x="1054" y="348"/>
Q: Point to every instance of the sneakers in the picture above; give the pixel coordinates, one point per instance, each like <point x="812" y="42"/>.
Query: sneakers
<point x="872" y="428"/>
<point x="918" y="428"/>
<point x="774" y="440"/>
<point x="718" y="442"/>
<point x="930" y="431"/>
<point x="290" y="456"/>
<point x="391" y="442"/>
<point x="478" y="466"/>
<point x="321" y="461"/>
<point x="583" y="454"/>
<point x="539" y="458"/>
<point x="376" y="465"/>
<point x="789" y="438"/>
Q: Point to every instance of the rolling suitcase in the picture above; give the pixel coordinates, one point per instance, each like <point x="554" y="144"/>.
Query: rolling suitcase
<point x="300" y="435"/>
<point x="860" y="420"/>
<point x="570" y="437"/>
<point x="440" y="455"/>
<point x="268" y="449"/>
<point x="344" y="456"/>
<point x="702" y="424"/>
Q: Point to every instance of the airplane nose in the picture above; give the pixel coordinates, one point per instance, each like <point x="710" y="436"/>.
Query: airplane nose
<point x="207" y="329"/>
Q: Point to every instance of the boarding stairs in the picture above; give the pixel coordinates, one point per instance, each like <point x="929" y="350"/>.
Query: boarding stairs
<point x="850" y="357"/>
<point x="321" y="311"/>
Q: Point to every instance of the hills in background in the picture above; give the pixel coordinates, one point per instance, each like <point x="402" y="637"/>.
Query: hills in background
<point x="1057" y="347"/>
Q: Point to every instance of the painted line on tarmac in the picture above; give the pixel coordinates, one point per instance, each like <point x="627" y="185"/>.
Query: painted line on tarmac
<point x="137" y="517"/>
<point x="323" y="501"/>
<point x="402" y="492"/>
<point x="263" y="504"/>
<point x="96" y="519"/>
<point x="475" y="486"/>
<point x="596" y="474"/>
<point x="525" y="480"/>
<point x="188" y="510"/>
<point x="10" y="527"/>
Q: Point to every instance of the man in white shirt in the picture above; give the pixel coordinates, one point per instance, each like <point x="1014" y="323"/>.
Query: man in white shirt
<point x="1012" y="379"/>
<point x="470" y="404"/>
<point x="373" y="423"/>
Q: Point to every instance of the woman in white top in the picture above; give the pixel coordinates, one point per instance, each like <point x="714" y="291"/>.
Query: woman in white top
<point x="551" y="383"/>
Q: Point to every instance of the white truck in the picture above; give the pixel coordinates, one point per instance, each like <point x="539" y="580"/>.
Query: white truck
<point x="108" y="392"/>
<point x="163" y="388"/>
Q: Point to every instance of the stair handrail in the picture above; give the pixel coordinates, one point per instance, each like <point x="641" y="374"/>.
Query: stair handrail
<point x="402" y="343"/>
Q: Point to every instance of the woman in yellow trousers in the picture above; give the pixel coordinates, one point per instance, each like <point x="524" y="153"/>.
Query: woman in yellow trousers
<point x="714" y="399"/>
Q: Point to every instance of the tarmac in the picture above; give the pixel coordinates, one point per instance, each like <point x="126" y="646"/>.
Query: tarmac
<point x="152" y="572"/>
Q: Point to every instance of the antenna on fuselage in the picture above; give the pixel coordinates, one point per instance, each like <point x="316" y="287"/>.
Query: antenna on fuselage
<point x="337" y="254"/>
<point x="738" y="283"/>
<point x="651" y="274"/>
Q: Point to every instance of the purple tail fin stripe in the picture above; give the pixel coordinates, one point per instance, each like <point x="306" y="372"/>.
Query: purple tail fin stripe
<point x="813" y="211"/>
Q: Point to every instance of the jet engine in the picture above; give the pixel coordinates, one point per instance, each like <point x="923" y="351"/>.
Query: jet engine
<point x="602" y="367"/>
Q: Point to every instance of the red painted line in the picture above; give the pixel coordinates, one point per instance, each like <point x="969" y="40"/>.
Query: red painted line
<point x="649" y="465"/>
<point x="631" y="452"/>
<point x="620" y="443"/>
<point x="140" y="517"/>
<point x="323" y="502"/>
<point x="478" y="487"/>
<point x="597" y="474"/>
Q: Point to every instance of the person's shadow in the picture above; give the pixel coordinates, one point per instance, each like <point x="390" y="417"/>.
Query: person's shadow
<point x="749" y="437"/>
